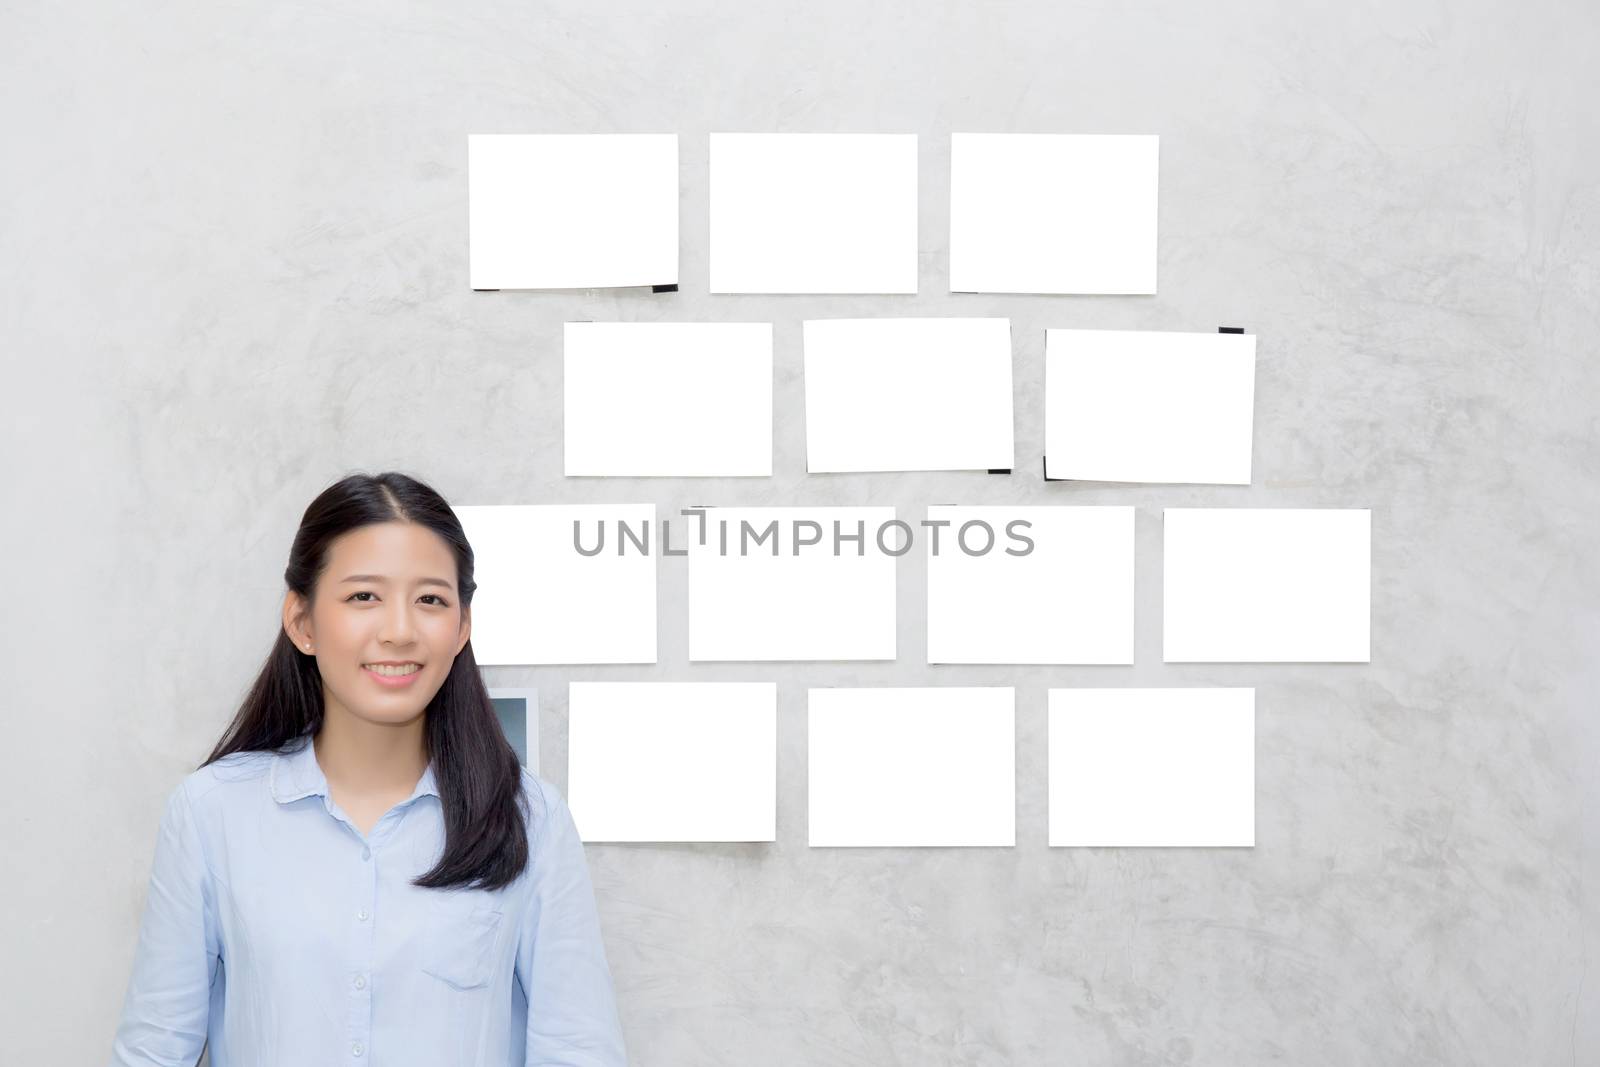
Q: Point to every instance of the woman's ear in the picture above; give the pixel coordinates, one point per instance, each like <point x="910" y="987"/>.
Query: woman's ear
<point x="295" y="623"/>
<point x="466" y="630"/>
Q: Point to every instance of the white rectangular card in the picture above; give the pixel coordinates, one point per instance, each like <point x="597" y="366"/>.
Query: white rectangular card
<point x="1053" y="213"/>
<point x="670" y="399"/>
<point x="1030" y="584"/>
<point x="1152" y="767"/>
<point x="673" y="761"/>
<point x="813" y="213"/>
<point x="912" y="766"/>
<point x="572" y="211"/>
<point x="1267" y="585"/>
<point x="803" y="603"/>
<point x="1148" y="406"/>
<point x="908" y="394"/>
<point x="540" y="600"/>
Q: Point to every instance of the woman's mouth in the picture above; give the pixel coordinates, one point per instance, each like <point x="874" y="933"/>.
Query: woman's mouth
<point x="393" y="677"/>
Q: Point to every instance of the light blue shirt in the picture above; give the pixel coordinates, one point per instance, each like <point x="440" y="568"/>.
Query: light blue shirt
<point x="278" y="931"/>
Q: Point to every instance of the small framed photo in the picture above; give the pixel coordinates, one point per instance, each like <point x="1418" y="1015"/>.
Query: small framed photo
<point x="518" y="711"/>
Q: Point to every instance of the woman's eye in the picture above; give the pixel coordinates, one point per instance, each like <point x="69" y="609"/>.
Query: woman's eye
<point x="364" y="592"/>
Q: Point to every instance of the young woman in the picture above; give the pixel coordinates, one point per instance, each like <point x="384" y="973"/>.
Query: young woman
<point x="362" y="872"/>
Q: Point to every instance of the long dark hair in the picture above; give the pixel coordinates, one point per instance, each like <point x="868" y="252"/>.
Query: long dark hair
<point x="477" y="771"/>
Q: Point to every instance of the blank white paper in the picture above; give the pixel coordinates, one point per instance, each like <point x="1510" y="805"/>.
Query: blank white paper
<point x="813" y="213"/>
<point x="1030" y="584"/>
<point x="803" y="603"/>
<point x="572" y="211"/>
<point x="1152" y="767"/>
<point x="673" y="761"/>
<point x="1267" y="585"/>
<point x="1148" y="406"/>
<point x="908" y="394"/>
<point x="668" y="398"/>
<point x="539" y="600"/>
<point x="912" y="766"/>
<point x="1053" y="213"/>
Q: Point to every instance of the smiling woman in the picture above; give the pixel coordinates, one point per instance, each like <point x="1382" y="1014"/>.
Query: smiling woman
<point x="363" y="835"/>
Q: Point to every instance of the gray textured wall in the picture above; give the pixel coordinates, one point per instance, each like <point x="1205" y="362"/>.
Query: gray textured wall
<point x="234" y="255"/>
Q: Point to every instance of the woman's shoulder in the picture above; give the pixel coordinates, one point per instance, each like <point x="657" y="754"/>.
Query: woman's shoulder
<point x="224" y="776"/>
<point x="537" y="791"/>
<point x="543" y="800"/>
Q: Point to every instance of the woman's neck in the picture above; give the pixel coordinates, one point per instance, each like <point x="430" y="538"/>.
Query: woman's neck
<point x="368" y="758"/>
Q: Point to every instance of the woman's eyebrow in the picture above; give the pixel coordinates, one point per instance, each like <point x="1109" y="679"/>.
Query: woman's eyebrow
<point x="380" y="579"/>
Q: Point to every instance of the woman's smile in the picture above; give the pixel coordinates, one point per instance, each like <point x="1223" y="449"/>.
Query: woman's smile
<point x="394" y="677"/>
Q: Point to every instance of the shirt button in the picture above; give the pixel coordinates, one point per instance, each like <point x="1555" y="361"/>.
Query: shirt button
<point x="366" y="853"/>
<point x="361" y="981"/>
<point x="362" y="914"/>
<point x="356" y="1049"/>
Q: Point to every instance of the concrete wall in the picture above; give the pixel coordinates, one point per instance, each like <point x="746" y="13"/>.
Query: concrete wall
<point x="234" y="268"/>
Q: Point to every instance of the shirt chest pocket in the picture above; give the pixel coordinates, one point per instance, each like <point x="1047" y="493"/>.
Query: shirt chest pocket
<point x="460" y="945"/>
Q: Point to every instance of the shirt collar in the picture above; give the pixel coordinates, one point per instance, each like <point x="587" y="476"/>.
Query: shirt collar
<point x="296" y="774"/>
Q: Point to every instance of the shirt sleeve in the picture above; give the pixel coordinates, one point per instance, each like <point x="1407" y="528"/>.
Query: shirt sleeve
<point x="164" y="1014"/>
<point x="572" y="1013"/>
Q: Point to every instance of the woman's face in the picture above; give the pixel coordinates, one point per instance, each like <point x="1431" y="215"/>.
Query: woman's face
<point x="387" y="596"/>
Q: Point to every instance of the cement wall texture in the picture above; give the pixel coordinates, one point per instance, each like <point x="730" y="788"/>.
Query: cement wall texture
<point x="235" y="269"/>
